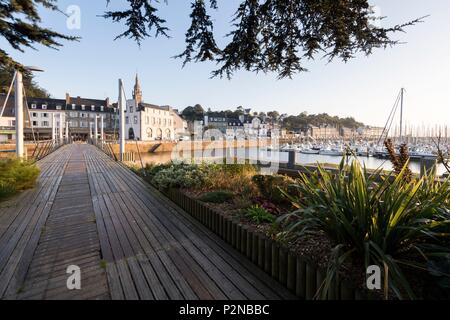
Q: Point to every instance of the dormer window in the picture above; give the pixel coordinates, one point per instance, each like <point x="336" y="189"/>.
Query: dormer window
<point x="92" y="108"/>
<point x="73" y="106"/>
<point x="83" y="107"/>
<point x="33" y="106"/>
<point x="58" y="107"/>
<point x="44" y="107"/>
<point x="102" y="108"/>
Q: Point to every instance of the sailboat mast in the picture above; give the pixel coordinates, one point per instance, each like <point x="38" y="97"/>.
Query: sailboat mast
<point x="401" y="113"/>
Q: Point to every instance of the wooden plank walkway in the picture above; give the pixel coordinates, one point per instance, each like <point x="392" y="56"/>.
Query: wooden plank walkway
<point x="128" y="239"/>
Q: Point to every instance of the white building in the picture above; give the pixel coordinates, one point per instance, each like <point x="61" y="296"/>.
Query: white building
<point x="149" y="122"/>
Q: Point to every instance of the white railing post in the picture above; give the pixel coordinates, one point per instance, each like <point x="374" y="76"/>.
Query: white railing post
<point x="19" y="115"/>
<point x="60" y="127"/>
<point x="53" y="128"/>
<point x="102" y="128"/>
<point x="122" y="105"/>
<point x="96" y="129"/>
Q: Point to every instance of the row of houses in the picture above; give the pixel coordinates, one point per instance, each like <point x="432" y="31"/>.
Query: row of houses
<point x="246" y="125"/>
<point x="333" y="132"/>
<point x="143" y="121"/>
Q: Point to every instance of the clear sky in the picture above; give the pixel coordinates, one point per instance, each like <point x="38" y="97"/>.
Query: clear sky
<point x="364" y="88"/>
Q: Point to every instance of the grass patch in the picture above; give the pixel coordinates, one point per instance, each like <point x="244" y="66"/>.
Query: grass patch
<point x="15" y="176"/>
<point x="103" y="264"/>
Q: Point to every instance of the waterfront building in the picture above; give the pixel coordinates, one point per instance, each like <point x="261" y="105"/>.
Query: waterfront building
<point x="370" y="132"/>
<point x="149" y="122"/>
<point x="80" y="113"/>
<point x="7" y="121"/>
<point x="323" y="132"/>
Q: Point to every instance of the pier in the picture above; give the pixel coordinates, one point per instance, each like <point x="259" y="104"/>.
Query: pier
<point x="129" y="241"/>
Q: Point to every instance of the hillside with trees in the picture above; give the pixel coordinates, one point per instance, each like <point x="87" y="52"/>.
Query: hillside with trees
<point x="304" y="119"/>
<point x="32" y="89"/>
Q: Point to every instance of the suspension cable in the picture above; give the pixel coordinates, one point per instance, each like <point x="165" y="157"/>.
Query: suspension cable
<point x="9" y="92"/>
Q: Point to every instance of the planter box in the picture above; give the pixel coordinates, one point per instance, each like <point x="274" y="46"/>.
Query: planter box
<point x="300" y="276"/>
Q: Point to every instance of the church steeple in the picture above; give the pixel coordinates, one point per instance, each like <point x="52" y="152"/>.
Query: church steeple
<point x="137" y="92"/>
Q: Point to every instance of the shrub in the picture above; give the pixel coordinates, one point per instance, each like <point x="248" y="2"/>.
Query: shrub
<point x="178" y="175"/>
<point x="258" y="214"/>
<point x="217" y="196"/>
<point x="16" y="175"/>
<point x="273" y="187"/>
<point x="233" y="177"/>
<point x="386" y="221"/>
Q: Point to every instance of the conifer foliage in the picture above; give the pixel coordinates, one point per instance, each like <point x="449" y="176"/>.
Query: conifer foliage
<point x="265" y="35"/>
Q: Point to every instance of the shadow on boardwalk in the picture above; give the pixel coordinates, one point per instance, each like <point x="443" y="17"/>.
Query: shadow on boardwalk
<point x="129" y="240"/>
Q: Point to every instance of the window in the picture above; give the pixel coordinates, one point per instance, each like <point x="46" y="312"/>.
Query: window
<point x="147" y="120"/>
<point x="102" y="108"/>
<point x="45" y="115"/>
<point x="135" y="119"/>
<point x="92" y="108"/>
<point x="126" y="120"/>
<point x="73" y="124"/>
<point x="83" y="115"/>
<point x="131" y="109"/>
<point x="44" y="107"/>
<point x="45" y="124"/>
<point x="159" y="121"/>
<point x="92" y="115"/>
<point x="83" y="124"/>
<point x="165" y="122"/>
<point x="73" y="107"/>
<point x="58" y="108"/>
<point x="153" y="120"/>
<point x="33" y="106"/>
<point x="73" y="114"/>
<point x="34" y="114"/>
<point x="83" y="107"/>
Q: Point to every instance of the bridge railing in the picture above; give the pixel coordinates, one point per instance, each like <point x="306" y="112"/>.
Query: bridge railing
<point x="108" y="147"/>
<point x="45" y="147"/>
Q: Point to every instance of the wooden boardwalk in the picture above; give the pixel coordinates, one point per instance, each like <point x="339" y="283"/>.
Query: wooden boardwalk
<point x="128" y="239"/>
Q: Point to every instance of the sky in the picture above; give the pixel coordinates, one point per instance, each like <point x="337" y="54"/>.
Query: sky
<point x="364" y="88"/>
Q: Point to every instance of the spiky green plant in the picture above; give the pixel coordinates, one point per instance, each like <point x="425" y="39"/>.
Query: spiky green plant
<point x="379" y="220"/>
<point x="259" y="215"/>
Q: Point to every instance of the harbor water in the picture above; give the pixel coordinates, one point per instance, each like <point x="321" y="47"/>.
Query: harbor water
<point x="270" y="156"/>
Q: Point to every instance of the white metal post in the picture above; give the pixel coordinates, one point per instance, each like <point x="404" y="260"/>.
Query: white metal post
<point x="96" y="129"/>
<point x="67" y="132"/>
<point x="122" y="106"/>
<point x="102" y="128"/>
<point x="19" y="115"/>
<point x="53" y="128"/>
<point x="60" y="128"/>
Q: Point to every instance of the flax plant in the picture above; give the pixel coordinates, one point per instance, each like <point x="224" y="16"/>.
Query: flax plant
<point x="375" y="219"/>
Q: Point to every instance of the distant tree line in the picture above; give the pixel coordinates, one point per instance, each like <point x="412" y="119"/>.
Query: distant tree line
<point x="303" y="120"/>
